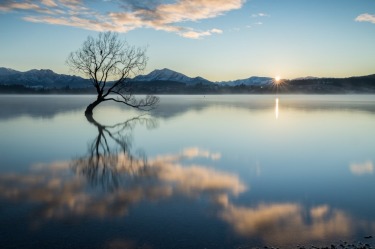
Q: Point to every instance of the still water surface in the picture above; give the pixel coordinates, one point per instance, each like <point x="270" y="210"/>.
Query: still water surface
<point x="196" y="172"/>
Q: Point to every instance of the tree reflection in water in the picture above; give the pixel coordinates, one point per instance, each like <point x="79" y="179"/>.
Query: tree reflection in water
<point x="110" y="157"/>
<point x="132" y="178"/>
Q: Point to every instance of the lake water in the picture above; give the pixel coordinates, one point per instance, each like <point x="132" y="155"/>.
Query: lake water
<point x="236" y="171"/>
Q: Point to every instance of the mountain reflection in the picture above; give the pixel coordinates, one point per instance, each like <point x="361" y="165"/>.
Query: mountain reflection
<point x="50" y="106"/>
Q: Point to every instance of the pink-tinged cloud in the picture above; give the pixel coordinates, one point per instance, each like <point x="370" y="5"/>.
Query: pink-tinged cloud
<point x="366" y="18"/>
<point x="77" y="22"/>
<point x="9" y="6"/>
<point x="193" y="10"/>
<point x="51" y="8"/>
<point x="49" y="3"/>
<point x="132" y="15"/>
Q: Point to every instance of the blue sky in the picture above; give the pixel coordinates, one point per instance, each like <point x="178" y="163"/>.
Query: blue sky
<point x="215" y="39"/>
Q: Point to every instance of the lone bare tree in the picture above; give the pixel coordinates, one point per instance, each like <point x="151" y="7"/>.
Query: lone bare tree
<point x="110" y="62"/>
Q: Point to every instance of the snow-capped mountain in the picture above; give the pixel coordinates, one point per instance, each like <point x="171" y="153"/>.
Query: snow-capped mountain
<point x="168" y="81"/>
<point x="170" y="75"/>
<point x="252" y="81"/>
<point x="7" y="71"/>
<point x="49" y="79"/>
<point x="306" y="78"/>
<point x="40" y="78"/>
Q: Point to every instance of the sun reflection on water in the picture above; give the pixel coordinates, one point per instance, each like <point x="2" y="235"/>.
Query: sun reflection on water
<point x="277" y="108"/>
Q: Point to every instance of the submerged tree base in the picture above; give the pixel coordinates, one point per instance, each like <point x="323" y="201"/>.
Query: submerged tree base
<point x="90" y="107"/>
<point x="144" y="104"/>
<point x="88" y="111"/>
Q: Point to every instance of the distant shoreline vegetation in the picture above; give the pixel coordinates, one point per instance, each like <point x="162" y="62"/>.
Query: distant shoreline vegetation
<point x="166" y="81"/>
<point x="313" y="86"/>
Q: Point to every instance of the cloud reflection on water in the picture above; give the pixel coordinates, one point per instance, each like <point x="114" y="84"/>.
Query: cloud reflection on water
<point x="289" y="223"/>
<point x="63" y="194"/>
<point x="64" y="190"/>
<point x="362" y="168"/>
<point x="60" y="194"/>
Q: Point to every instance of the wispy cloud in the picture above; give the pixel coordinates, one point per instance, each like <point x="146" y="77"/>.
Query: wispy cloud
<point x="366" y="18"/>
<point x="8" y="6"/>
<point x="50" y="3"/>
<point x="155" y="14"/>
<point x="257" y="15"/>
<point x="260" y="15"/>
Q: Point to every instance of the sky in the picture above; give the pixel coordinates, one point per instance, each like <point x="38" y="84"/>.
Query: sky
<point x="215" y="39"/>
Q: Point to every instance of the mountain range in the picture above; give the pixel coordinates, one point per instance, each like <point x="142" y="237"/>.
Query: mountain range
<point x="166" y="81"/>
<point x="41" y="78"/>
<point x="48" y="79"/>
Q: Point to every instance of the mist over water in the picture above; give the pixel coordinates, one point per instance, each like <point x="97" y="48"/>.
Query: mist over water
<point x="196" y="172"/>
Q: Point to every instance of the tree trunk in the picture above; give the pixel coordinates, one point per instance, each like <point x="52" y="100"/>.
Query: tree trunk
<point x="91" y="107"/>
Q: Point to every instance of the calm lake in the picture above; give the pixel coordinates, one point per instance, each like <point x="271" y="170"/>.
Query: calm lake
<point x="231" y="171"/>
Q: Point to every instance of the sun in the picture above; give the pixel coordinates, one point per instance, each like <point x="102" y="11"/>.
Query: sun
<point x="277" y="78"/>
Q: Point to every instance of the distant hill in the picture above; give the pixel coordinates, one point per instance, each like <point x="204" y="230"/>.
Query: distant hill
<point x="48" y="79"/>
<point x="43" y="78"/>
<point x="165" y="81"/>
<point x="252" y="81"/>
<point x="173" y="76"/>
<point x="7" y="71"/>
<point x="170" y="75"/>
<point x="358" y="84"/>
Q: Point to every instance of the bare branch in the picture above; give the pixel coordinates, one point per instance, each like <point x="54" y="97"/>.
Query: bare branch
<point x="146" y="104"/>
<point x="105" y="58"/>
